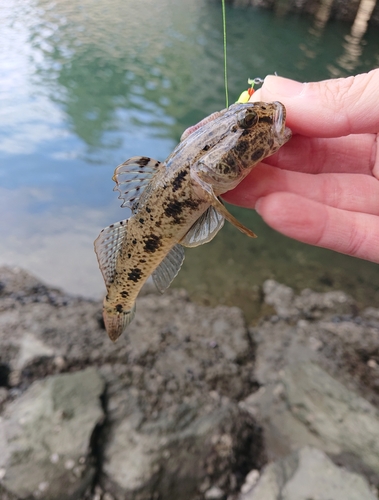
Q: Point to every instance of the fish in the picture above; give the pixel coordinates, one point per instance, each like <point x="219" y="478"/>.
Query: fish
<point x="176" y="203"/>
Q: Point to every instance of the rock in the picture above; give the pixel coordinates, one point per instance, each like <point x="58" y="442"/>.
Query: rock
<point x="179" y="368"/>
<point x="308" y="304"/>
<point x="308" y="474"/>
<point x="308" y="406"/>
<point x="280" y="297"/>
<point x="45" y="437"/>
<point x="180" y="405"/>
<point x="186" y="445"/>
<point x="214" y="493"/>
<point x="311" y="335"/>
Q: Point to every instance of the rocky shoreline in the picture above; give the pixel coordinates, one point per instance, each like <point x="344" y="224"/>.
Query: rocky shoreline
<point x="191" y="404"/>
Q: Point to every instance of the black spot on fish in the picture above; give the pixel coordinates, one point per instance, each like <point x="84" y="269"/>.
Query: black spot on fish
<point x="246" y="132"/>
<point x="241" y="147"/>
<point x="148" y="210"/>
<point x="152" y="243"/>
<point x="119" y="308"/>
<point x="143" y="161"/>
<point x="175" y="208"/>
<point x="129" y="255"/>
<point x="111" y="226"/>
<point x="124" y="294"/>
<point x="178" y="181"/>
<point x="206" y="147"/>
<point x="134" y="242"/>
<point x="257" y="154"/>
<point x="142" y="261"/>
<point x="134" y="274"/>
<point x="121" y="222"/>
<point x="158" y="223"/>
<point x="141" y="220"/>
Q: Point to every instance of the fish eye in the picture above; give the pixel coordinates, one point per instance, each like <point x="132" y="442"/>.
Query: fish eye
<point x="247" y="119"/>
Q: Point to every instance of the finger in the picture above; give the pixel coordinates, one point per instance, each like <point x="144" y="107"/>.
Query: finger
<point x="350" y="233"/>
<point x="330" y="108"/>
<point x="353" y="192"/>
<point x="354" y="153"/>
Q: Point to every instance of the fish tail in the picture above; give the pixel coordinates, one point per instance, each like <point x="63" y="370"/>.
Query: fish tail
<point x="116" y="322"/>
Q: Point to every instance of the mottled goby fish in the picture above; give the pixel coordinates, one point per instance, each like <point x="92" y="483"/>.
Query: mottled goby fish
<point x="176" y="203"/>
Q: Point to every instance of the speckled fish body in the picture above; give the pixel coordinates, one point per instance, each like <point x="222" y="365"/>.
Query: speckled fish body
<point x="176" y="203"/>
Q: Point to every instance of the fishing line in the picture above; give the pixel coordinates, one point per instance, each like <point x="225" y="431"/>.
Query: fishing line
<point x="225" y="65"/>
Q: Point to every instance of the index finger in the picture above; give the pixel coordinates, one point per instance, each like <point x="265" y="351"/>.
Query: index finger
<point x="330" y="108"/>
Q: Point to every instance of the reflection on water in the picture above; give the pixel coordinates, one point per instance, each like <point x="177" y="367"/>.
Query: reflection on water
<point x="85" y="85"/>
<point x="353" y="45"/>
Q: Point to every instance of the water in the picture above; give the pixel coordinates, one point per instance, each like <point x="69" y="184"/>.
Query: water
<point x="87" y="84"/>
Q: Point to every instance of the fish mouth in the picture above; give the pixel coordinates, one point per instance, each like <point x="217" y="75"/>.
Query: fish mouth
<point x="282" y="133"/>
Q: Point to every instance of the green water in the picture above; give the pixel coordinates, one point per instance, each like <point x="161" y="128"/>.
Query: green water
<point x="87" y="84"/>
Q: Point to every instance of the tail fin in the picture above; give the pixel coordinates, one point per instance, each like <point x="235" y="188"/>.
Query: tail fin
<point x="115" y="322"/>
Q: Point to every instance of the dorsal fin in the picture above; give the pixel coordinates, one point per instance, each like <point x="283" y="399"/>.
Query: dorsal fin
<point x="132" y="177"/>
<point x="107" y="247"/>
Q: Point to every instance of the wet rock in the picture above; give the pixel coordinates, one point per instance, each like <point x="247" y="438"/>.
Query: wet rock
<point x="45" y="437"/>
<point x="184" y="447"/>
<point x="318" y="357"/>
<point x="179" y="368"/>
<point x="308" y="304"/>
<point x="181" y="411"/>
<point x="308" y="474"/>
<point x="308" y="406"/>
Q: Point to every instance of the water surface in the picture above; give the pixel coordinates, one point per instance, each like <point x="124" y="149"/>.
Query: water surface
<point x="87" y="84"/>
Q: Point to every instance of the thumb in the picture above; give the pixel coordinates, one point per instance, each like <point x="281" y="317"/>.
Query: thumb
<point x="330" y="108"/>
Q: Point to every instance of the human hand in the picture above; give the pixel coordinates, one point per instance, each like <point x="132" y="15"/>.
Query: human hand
<point x="322" y="187"/>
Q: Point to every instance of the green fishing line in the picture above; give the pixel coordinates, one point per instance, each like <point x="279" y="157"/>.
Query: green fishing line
<point x="225" y="66"/>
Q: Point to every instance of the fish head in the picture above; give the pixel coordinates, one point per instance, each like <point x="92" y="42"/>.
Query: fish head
<point x="246" y="134"/>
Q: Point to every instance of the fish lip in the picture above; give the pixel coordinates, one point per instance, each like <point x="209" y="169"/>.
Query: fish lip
<point x="282" y="133"/>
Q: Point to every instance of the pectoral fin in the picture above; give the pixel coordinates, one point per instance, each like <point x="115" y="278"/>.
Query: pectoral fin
<point x="204" y="229"/>
<point x="218" y="205"/>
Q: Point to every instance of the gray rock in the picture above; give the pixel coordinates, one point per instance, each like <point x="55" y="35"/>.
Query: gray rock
<point x="174" y="426"/>
<point x="322" y="337"/>
<point x="308" y="406"/>
<point x="280" y="297"/>
<point x="308" y="304"/>
<point x="214" y="493"/>
<point x="308" y="474"/>
<point x="180" y="368"/>
<point x="45" y="437"/>
<point x="186" y="446"/>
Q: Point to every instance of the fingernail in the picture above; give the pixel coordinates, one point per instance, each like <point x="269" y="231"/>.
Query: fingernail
<point x="282" y="86"/>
